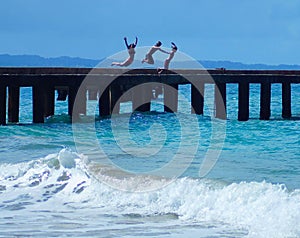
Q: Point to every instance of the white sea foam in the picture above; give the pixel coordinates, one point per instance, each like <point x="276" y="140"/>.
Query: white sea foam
<point x="63" y="181"/>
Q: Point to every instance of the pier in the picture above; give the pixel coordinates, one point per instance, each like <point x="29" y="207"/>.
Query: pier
<point x="107" y="85"/>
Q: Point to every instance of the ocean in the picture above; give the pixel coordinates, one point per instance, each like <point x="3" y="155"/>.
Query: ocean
<point x="152" y="174"/>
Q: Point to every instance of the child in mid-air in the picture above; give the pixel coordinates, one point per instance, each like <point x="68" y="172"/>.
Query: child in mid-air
<point x="149" y="58"/>
<point x="131" y="53"/>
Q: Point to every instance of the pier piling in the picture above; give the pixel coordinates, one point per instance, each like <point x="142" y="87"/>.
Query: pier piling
<point x="197" y="98"/>
<point x="141" y="97"/>
<point x="49" y="101"/>
<point x="243" y="104"/>
<point x="81" y="103"/>
<point x="111" y="84"/>
<point x="116" y="94"/>
<point x="220" y="100"/>
<point x="13" y="104"/>
<point x="72" y="92"/>
<point x="286" y="100"/>
<point x="2" y="105"/>
<point x="265" y="101"/>
<point x="38" y="103"/>
<point x="105" y="102"/>
<point x="171" y="98"/>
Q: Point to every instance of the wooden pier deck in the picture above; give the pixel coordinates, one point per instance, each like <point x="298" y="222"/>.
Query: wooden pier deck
<point x="110" y="84"/>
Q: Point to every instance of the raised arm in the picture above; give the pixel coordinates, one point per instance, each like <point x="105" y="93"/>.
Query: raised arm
<point x="136" y="40"/>
<point x="126" y="43"/>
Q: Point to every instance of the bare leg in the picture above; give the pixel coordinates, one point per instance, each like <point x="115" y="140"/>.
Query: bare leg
<point x="122" y="64"/>
<point x="145" y="60"/>
<point x="115" y="63"/>
<point x="148" y="59"/>
<point x="166" y="64"/>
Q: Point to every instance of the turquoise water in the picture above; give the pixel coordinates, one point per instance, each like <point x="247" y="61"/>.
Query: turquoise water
<point x="139" y="174"/>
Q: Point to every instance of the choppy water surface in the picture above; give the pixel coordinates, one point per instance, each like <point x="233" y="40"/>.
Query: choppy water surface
<point x="54" y="186"/>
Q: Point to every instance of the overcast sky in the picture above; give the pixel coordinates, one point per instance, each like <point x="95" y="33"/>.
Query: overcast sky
<point x="248" y="31"/>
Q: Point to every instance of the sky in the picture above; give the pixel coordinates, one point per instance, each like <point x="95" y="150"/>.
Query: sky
<point x="247" y="31"/>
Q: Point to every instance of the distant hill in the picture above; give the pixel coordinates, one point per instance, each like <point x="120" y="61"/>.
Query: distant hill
<point x="36" y="61"/>
<point x="7" y="60"/>
<point x="237" y="65"/>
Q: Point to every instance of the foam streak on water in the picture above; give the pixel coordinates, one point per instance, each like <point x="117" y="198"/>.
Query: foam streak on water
<point x="58" y="195"/>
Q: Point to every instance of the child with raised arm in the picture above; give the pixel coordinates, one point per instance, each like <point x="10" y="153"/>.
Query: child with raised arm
<point x="131" y="53"/>
<point x="168" y="60"/>
<point x="149" y="56"/>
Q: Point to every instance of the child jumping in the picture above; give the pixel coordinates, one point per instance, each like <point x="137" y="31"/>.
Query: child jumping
<point x="149" y="56"/>
<point x="131" y="53"/>
<point x="168" y="60"/>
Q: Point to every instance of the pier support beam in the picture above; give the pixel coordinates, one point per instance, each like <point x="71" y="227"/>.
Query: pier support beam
<point x="171" y="98"/>
<point x="2" y="105"/>
<point x="71" y="99"/>
<point x="116" y="93"/>
<point x="13" y="103"/>
<point x="81" y="100"/>
<point x="265" y="101"/>
<point x="197" y="98"/>
<point x="77" y="101"/>
<point x="105" y="102"/>
<point x="243" y="97"/>
<point x="49" y="101"/>
<point x="141" y="97"/>
<point x="38" y="103"/>
<point x="286" y="100"/>
<point x="220" y="100"/>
